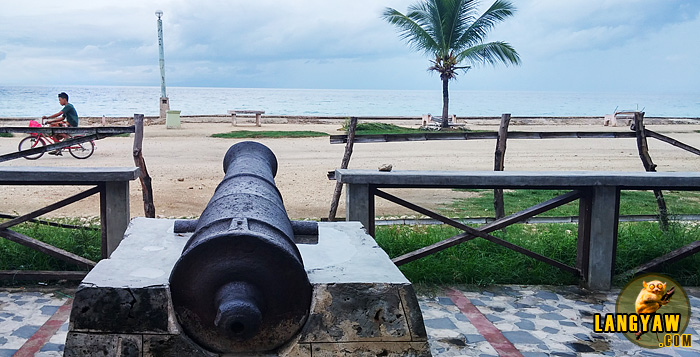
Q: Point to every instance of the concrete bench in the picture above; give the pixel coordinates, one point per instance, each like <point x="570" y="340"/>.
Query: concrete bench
<point x="434" y="123"/>
<point x="112" y="183"/>
<point x="599" y="201"/>
<point x="258" y="114"/>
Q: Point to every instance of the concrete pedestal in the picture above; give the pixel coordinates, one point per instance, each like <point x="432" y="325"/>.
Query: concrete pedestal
<point x="362" y="304"/>
<point x="172" y="119"/>
<point x="164" y="107"/>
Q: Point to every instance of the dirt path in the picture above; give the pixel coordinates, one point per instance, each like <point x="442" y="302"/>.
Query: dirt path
<point x="186" y="164"/>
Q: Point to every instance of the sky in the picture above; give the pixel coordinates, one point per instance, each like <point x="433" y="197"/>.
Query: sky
<point x="573" y="45"/>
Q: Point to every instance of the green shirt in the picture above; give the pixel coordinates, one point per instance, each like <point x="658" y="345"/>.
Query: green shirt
<point x="71" y="114"/>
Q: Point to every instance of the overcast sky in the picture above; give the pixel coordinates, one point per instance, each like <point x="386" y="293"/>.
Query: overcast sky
<point x="565" y="45"/>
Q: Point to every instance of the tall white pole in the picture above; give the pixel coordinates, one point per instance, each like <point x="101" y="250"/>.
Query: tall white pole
<point x="162" y="56"/>
<point x="164" y="101"/>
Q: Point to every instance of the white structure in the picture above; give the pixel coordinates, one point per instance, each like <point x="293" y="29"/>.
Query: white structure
<point x="164" y="101"/>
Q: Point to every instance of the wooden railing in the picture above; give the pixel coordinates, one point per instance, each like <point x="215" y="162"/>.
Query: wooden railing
<point x="598" y="194"/>
<point x="111" y="183"/>
<point x="86" y="134"/>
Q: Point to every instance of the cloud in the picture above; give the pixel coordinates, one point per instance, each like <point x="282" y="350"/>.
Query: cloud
<point x="619" y="45"/>
<point x="279" y="30"/>
<point x="551" y="27"/>
<point x="334" y="44"/>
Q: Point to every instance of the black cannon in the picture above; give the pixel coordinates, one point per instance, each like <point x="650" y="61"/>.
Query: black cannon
<point x="240" y="284"/>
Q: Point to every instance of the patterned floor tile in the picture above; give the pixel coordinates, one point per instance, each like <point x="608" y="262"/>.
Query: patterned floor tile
<point x="549" y="321"/>
<point x="24" y="312"/>
<point x="538" y="321"/>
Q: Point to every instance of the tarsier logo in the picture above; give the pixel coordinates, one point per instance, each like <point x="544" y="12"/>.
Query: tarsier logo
<point x="652" y="311"/>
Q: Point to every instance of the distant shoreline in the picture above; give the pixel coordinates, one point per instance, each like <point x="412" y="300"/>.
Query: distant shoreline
<point x="304" y="119"/>
<point x="95" y="101"/>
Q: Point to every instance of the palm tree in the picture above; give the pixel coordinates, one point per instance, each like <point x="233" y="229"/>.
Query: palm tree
<point x="452" y="31"/>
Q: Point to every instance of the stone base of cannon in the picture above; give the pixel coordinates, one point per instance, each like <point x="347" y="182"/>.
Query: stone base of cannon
<point x="361" y="304"/>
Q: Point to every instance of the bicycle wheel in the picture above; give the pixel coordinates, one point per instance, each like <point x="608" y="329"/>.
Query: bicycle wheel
<point x="31" y="142"/>
<point x="82" y="150"/>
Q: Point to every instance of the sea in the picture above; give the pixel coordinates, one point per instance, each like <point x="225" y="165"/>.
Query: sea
<point x="124" y="101"/>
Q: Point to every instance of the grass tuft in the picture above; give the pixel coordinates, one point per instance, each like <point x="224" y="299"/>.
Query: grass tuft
<point x="376" y="128"/>
<point x="242" y="134"/>
<point x="84" y="242"/>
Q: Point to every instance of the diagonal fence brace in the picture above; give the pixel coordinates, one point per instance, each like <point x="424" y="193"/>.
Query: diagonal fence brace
<point x="490" y="227"/>
<point x="46" y="248"/>
<point x="482" y="234"/>
<point x="55" y="146"/>
<point x="47" y="209"/>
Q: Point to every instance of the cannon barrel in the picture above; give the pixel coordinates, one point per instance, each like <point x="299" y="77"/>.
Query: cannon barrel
<point x="240" y="283"/>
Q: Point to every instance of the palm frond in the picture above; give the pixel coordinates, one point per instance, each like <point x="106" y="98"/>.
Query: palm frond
<point x="464" y="15"/>
<point x="412" y="29"/>
<point x="422" y="14"/>
<point x="490" y="53"/>
<point x="441" y="28"/>
<point x="477" y="31"/>
<point x="429" y="15"/>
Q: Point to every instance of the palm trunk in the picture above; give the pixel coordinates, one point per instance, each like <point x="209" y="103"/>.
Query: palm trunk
<point x="445" y="102"/>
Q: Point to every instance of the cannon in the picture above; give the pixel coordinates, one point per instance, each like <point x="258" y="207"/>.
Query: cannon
<point x="240" y="285"/>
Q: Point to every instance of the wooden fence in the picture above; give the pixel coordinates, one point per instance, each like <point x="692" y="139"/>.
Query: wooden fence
<point x="112" y="184"/>
<point x="598" y="194"/>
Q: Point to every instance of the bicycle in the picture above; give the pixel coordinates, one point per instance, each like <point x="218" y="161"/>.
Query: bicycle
<point x="36" y="140"/>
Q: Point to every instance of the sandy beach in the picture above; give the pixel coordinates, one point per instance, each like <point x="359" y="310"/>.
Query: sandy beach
<point x="186" y="163"/>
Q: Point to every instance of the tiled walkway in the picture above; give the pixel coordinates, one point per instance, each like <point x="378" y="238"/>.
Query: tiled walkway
<point x="505" y="320"/>
<point x="22" y="315"/>
<point x="536" y="321"/>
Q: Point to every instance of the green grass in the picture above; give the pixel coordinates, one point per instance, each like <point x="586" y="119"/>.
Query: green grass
<point x="475" y="262"/>
<point x="481" y="262"/>
<point x="6" y="135"/>
<point x="243" y="134"/>
<point x="372" y="128"/>
<point x="631" y="203"/>
<point x="83" y="242"/>
<point x="375" y="128"/>
<point x="382" y="128"/>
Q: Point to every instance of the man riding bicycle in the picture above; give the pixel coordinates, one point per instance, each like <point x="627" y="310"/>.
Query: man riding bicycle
<point x="69" y="117"/>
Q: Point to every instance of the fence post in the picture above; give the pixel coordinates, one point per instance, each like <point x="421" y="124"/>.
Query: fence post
<point x="649" y="166"/>
<point x="359" y="205"/>
<point x="145" y="179"/>
<point x="602" y="239"/>
<point x="343" y="165"/>
<point x="114" y="214"/>
<point x="498" y="205"/>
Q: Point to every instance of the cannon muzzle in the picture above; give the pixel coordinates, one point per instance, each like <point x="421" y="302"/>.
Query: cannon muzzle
<point x="240" y="284"/>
